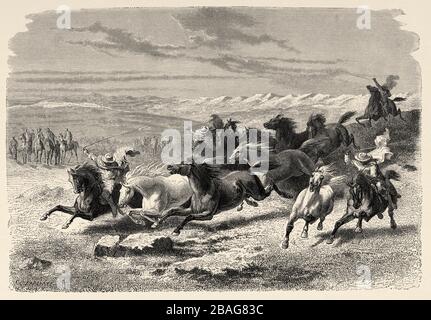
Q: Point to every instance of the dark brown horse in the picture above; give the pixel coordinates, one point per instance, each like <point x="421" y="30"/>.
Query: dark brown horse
<point x="285" y="135"/>
<point x="365" y="202"/>
<point x="326" y="138"/>
<point x="374" y="110"/>
<point x="87" y="184"/>
<point x="212" y="194"/>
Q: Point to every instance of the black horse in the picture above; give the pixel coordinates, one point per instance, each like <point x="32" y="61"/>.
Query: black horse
<point x="87" y="183"/>
<point x="212" y="193"/>
<point x="285" y="135"/>
<point x="365" y="202"/>
<point x="374" y="110"/>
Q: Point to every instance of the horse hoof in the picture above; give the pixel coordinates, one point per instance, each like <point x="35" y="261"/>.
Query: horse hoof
<point x="154" y="225"/>
<point x="284" y="244"/>
<point x="304" y="235"/>
<point x="393" y="225"/>
<point x="175" y="233"/>
<point x="358" y="230"/>
<point x="44" y="217"/>
<point x="330" y="240"/>
<point x="65" y="226"/>
<point x="380" y="216"/>
<point x="255" y="204"/>
<point x="320" y="227"/>
<point x="239" y="209"/>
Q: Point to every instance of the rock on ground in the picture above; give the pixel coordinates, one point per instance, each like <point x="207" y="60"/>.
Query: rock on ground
<point x="134" y="245"/>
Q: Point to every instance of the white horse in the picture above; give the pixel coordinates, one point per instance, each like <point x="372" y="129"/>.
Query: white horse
<point x="159" y="192"/>
<point x="313" y="203"/>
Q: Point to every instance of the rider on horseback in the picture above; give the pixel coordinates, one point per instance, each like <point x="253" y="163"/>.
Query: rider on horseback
<point x="111" y="173"/>
<point x="370" y="168"/>
<point x="68" y="137"/>
<point x="385" y="93"/>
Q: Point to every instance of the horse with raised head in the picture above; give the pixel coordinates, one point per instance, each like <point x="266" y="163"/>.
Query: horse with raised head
<point x="313" y="203"/>
<point x="374" y="110"/>
<point x="285" y="135"/>
<point x="87" y="183"/>
<point x="212" y="193"/>
<point x="365" y="201"/>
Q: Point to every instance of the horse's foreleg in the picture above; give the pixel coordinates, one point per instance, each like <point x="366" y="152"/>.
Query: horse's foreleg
<point x="400" y="114"/>
<point x="177" y="211"/>
<point x="391" y="216"/>
<point x="206" y="215"/>
<point x="61" y="208"/>
<point x="304" y="233"/>
<point x="359" y="225"/>
<point x="289" y="227"/>
<point x="343" y="220"/>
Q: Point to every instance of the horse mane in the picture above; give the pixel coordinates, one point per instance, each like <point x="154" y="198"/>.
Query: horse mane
<point x="319" y="117"/>
<point x="362" y="180"/>
<point x="150" y="169"/>
<point x="288" y="124"/>
<point x="208" y="170"/>
<point x="88" y="169"/>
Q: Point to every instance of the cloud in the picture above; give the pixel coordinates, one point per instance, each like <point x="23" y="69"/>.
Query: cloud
<point x="221" y="27"/>
<point x="83" y="78"/>
<point x="256" y="67"/>
<point x="121" y="40"/>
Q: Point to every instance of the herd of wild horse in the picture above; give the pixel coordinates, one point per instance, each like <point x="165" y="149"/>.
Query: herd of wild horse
<point x="200" y="191"/>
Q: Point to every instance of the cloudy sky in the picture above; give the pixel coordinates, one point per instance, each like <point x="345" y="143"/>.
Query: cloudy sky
<point x="193" y="52"/>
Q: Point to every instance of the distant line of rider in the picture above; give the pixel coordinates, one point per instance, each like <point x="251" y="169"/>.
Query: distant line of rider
<point x="49" y="145"/>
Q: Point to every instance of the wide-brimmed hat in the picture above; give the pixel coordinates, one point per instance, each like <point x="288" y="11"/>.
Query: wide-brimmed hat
<point x="363" y="157"/>
<point x="106" y="161"/>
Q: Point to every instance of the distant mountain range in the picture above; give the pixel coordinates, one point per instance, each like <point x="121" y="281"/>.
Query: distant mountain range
<point x="251" y="111"/>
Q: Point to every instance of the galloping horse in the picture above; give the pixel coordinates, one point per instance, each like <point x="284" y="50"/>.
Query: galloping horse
<point x="313" y="203"/>
<point x="87" y="184"/>
<point x="365" y="202"/>
<point x="286" y="137"/>
<point x="331" y="136"/>
<point x="288" y="171"/>
<point x="374" y="110"/>
<point x="211" y="193"/>
<point x="159" y="193"/>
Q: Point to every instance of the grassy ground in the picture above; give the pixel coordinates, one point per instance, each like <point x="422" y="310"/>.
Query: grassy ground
<point x="234" y="251"/>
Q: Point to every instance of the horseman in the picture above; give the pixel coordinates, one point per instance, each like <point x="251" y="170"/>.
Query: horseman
<point x="112" y="174"/>
<point x="51" y="136"/>
<point x="370" y="168"/>
<point x="13" y="148"/>
<point x="385" y="93"/>
<point x="68" y="137"/>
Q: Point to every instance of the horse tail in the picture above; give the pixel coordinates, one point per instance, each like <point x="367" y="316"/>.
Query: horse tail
<point x="346" y="116"/>
<point x="392" y="175"/>
<point x="398" y="99"/>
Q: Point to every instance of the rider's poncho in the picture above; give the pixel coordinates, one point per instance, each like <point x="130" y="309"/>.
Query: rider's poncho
<point x="382" y="151"/>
